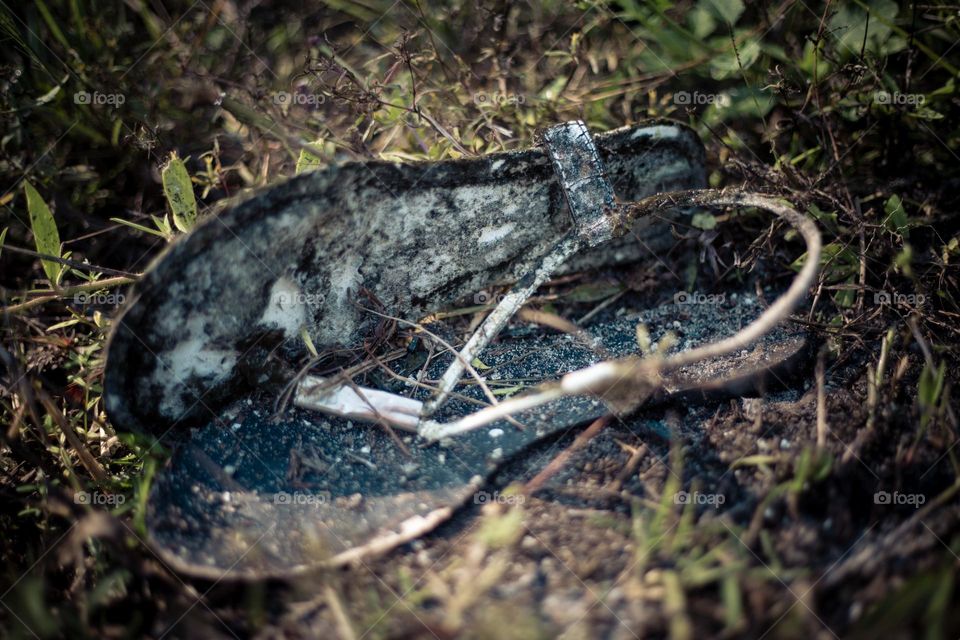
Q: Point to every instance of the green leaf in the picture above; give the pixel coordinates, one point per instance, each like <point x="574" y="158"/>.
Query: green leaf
<point x="501" y="531"/>
<point x="45" y="234"/>
<point x="828" y="220"/>
<point x="52" y="24"/>
<point x="732" y="603"/>
<point x="931" y="385"/>
<point x="925" y="113"/>
<point x="939" y="605"/>
<point x="163" y="226"/>
<point x="739" y="104"/>
<point x="919" y="598"/>
<point x="896" y="216"/>
<point x="727" y="10"/>
<point x="179" y="191"/>
<point x="903" y="261"/>
<point x="553" y="90"/>
<point x="845" y="298"/>
<point x="701" y="20"/>
<point x="731" y="63"/>
<point x="950" y="248"/>
<point x="838" y="261"/>
<point x="851" y="24"/>
<point x="812" y="63"/>
<point x="929" y="389"/>
<point x="307" y="161"/>
<point x="507" y="391"/>
<point x="140" y="227"/>
<point x="704" y="220"/>
<point x="3" y="237"/>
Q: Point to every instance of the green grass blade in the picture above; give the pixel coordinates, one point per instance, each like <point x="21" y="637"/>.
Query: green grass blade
<point x="51" y="23"/>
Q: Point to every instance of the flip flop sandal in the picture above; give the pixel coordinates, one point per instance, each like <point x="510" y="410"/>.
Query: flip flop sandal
<point x="252" y="494"/>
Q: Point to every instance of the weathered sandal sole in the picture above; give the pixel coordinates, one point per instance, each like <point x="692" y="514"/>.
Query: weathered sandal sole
<point x="248" y="497"/>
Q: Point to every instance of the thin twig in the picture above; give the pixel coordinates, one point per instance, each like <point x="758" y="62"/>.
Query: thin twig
<point x="466" y="365"/>
<point x="67" y="291"/>
<point x="86" y="458"/>
<point x="557" y="463"/>
<point x="628" y="469"/>
<point x="344" y="628"/>
<point x="69" y="263"/>
<point x="600" y="307"/>
<point x="821" y="400"/>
